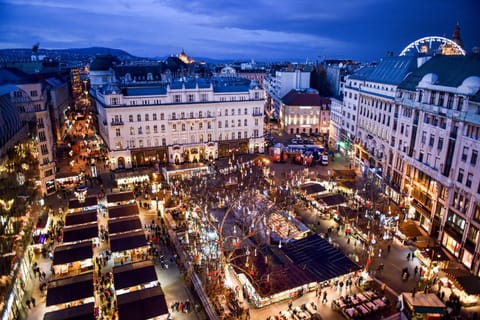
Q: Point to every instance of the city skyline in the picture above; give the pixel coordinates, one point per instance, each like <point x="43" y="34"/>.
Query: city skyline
<point x="259" y="30"/>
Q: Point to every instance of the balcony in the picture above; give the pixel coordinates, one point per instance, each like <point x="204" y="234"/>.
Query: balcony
<point x="116" y="122"/>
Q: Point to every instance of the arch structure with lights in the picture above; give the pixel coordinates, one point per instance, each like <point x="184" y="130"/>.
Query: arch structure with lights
<point x="433" y="45"/>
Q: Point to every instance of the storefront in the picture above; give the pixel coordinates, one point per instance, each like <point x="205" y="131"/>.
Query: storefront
<point x="128" y="180"/>
<point x="451" y="241"/>
<point x="185" y="171"/>
<point x="433" y="259"/>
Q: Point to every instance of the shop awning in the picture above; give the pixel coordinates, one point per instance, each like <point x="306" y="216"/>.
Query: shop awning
<point x="80" y="217"/>
<point x="133" y="274"/>
<point x="123" y="210"/>
<point x="72" y="252"/>
<point x="80" y="312"/>
<point x="318" y="257"/>
<point x="120" y="196"/>
<point x="312" y="188"/>
<point x="70" y="289"/>
<point x="127" y="241"/>
<point x="464" y="280"/>
<point x="80" y="232"/>
<point x="89" y="201"/>
<point x="332" y="199"/>
<point x="124" y="224"/>
<point x="142" y="304"/>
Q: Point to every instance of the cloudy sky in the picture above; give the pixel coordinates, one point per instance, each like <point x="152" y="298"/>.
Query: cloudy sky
<point x="230" y="29"/>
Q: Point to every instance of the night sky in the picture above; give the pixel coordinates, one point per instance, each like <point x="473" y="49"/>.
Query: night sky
<point x="263" y="30"/>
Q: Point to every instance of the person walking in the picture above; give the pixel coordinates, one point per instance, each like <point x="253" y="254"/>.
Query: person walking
<point x="32" y="299"/>
<point x="324" y="299"/>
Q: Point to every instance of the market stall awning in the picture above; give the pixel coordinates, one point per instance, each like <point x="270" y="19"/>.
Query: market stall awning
<point x="127" y="241"/>
<point x="133" y="274"/>
<point x="312" y="188"/>
<point x="80" y="232"/>
<point x="123" y="210"/>
<point x="464" y="280"/>
<point x="89" y="201"/>
<point x="332" y="199"/>
<point x="318" y="257"/>
<point x="124" y="224"/>
<point x="81" y="312"/>
<point x="72" y="252"/>
<point x="142" y="304"/>
<point x="120" y="196"/>
<point x="80" y="217"/>
<point x="70" y="289"/>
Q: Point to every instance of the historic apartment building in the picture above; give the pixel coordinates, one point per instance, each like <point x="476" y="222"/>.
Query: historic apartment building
<point x="416" y="133"/>
<point x="437" y="145"/>
<point x="280" y="83"/>
<point x="304" y="111"/>
<point x="187" y="120"/>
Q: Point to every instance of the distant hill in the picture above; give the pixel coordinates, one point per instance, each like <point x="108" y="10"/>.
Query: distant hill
<point x="64" y="55"/>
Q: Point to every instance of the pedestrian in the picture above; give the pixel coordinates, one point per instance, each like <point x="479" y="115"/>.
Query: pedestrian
<point x="408" y="256"/>
<point x="388" y="248"/>
<point x="33" y="301"/>
<point x="290" y="304"/>
<point x="415" y="271"/>
<point x="324" y="299"/>
<point x="28" y="303"/>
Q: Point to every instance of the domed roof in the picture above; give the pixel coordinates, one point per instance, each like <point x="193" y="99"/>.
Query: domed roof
<point x="470" y="85"/>
<point x="430" y="78"/>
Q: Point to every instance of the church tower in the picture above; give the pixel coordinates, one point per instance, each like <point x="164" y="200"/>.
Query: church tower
<point x="456" y="36"/>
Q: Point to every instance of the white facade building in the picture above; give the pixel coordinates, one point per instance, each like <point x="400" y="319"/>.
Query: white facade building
<point x="185" y="121"/>
<point x="31" y="101"/>
<point x="277" y="86"/>
<point x="440" y="143"/>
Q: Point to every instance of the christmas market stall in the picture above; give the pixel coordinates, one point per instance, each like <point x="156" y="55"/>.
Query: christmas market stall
<point x="119" y="198"/>
<point x="462" y="284"/>
<point x="128" y="247"/>
<point x="133" y="275"/>
<point x="73" y="258"/>
<point x="421" y="306"/>
<point x="123" y="210"/>
<point x="84" y="311"/>
<point x="80" y="232"/>
<point x="72" y="219"/>
<point x="73" y="290"/>
<point x="142" y="304"/>
<point x="286" y="271"/>
<point x="124" y="224"/>
<point x="78" y="205"/>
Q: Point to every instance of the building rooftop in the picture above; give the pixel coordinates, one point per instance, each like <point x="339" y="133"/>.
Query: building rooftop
<point x="304" y="98"/>
<point x="449" y="71"/>
<point x="392" y="70"/>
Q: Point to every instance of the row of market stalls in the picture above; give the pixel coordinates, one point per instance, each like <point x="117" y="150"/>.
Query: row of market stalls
<point x="70" y="294"/>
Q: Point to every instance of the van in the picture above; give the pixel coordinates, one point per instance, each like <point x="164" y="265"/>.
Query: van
<point x="324" y="160"/>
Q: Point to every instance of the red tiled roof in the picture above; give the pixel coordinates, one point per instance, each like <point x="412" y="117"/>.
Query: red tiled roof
<point x="299" y="98"/>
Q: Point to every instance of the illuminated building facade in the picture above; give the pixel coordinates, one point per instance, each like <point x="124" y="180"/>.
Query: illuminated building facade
<point x="185" y="120"/>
